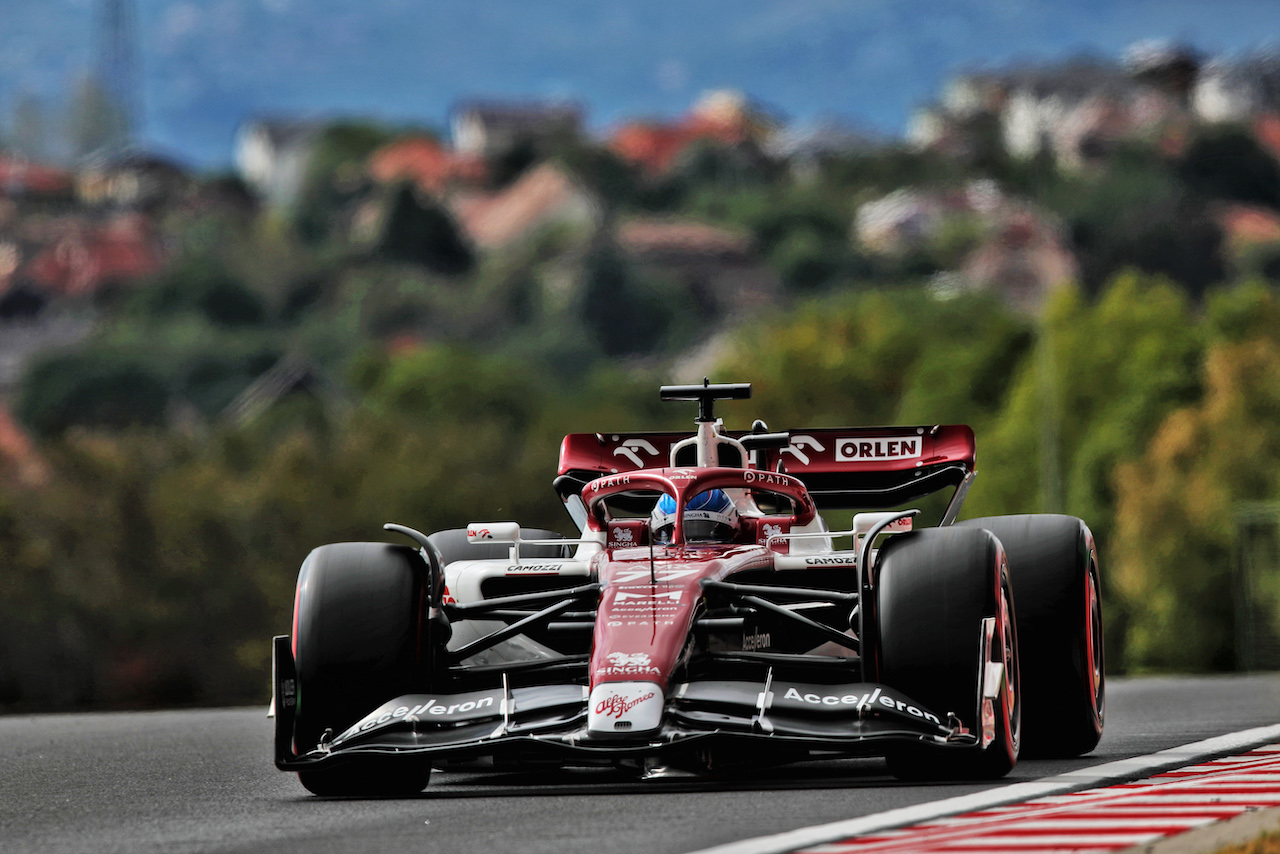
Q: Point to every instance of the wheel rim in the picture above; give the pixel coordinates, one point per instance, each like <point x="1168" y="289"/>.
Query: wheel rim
<point x="1009" y="655"/>
<point x="1093" y="644"/>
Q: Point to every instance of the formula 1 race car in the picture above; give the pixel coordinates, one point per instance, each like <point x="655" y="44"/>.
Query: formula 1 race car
<point x="705" y="618"/>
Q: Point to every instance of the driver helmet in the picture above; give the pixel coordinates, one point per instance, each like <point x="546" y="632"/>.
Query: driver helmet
<point x="709" y="517"/>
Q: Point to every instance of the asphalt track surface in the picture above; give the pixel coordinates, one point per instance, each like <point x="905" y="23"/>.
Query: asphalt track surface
<point x="202" y="781"/>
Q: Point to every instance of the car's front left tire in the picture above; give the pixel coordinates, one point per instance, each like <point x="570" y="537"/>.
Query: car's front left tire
<point x="936" y="588"/>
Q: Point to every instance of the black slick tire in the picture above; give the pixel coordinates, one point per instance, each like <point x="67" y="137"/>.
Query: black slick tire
<point x="358" y="619"/>
<point x="1053" y="560"/>
<point x="936" y="587"/>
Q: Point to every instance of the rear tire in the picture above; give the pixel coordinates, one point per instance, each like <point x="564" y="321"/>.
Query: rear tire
<point x="1054" y="564"/>
<point x="358" y="626"/>
<point x="935" y="589"/>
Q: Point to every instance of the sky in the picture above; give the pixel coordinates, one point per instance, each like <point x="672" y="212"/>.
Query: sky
<point x="208" y="65"/>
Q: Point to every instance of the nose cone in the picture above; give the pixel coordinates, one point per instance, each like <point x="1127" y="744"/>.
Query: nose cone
<point x="618" y="708"/>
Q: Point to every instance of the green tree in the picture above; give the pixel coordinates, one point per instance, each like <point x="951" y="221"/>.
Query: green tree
<point x="606" y="174"/>
<point x="802" y="231"/>
<point x="1228" y="163"/>
<point x="1174" y="545"/>
<point x="416" y="230"/>
<point x="628" y="314"/>
<point x="966" y="364"/>
<point x="883" y="169"/>
<point x="1138" y="212"/>
<point x="200" y="285"/>
<point x="878" y="357"/>
<point x="95" y="389"/>
<point x="1102" y="378"/>
<point x="209" y="376"/>
<point x="805" y="261"/>
<point x="335" y="177"/>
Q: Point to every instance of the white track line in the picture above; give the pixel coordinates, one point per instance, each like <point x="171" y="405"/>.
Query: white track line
<point x="1098" y="775"/>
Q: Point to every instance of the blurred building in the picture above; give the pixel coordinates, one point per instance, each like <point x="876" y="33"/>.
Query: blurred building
<point x="271" y="156"/>
<point x="1024" y="258"/>
<point x="1237" y="91"/>
<point x="1076" y="111"/>
<point x="427" y="164"/>
<point x="544" y="197"/>
<point x="82" y="256"/>
<point x="1079" y="110"/>
<point x="489" y="128"/>
<point x="1248" y="225"/>
<point x="1020" y="253"/>
<point x="725" y="117"/>
<point x="806" y="148"/>
<point x="1251" y="241"/>
<point x="1165" y="65"/>
<point x="1266" y="129"/>
<point x="24" y="179"/>
<point x="131" y="179"/>
<point x="19" y="459"/>
<point x="720" y="268"/>
<point x="222" y="196"/>
<point x="909" y="219"/>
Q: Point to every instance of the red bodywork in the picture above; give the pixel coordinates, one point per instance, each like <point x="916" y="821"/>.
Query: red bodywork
<point x="649" y="599"/>
<point x="639" y="620"/>
<point x="838" y="451"/>
<point x="698" y="650"/>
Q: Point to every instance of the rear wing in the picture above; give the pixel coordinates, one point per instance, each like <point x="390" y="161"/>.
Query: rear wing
<point x="843" y="468"/>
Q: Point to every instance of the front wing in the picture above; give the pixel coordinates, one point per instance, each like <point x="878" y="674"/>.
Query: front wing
<point x="548" y="722"/>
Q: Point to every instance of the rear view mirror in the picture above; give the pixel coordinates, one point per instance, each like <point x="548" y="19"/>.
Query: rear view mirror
<point x="493" y="532"/>
<point x="864" y="522"/>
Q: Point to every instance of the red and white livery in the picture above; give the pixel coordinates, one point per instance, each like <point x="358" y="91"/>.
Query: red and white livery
<point x="788" y="636"/>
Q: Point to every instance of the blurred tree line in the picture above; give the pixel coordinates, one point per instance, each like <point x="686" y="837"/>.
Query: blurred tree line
<point x="1149" y="416"/>
<point x="154" y="567"/>
<point x="433" y="384"/>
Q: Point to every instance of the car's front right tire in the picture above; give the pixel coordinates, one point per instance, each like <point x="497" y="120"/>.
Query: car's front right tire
<point x="358" y="625"/>
<point x="1054" y="565"/>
